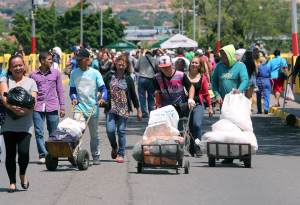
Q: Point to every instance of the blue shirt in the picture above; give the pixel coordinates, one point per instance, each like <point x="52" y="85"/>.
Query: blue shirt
<point x="275" y="65"/>
<point x="87" y="84"/>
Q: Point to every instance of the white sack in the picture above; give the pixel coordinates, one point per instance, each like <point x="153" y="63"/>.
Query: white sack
<point x="237" y="109"/>
<point x="229" y="137"/>
<point x="73" y="127"/>
<point x="289" y="95"/>
<point x="161" y="129"/>
<point x="167" y="114"/>
<point x="225" y="125"/>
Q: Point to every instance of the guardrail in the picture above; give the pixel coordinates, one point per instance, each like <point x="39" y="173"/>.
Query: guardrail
<point x="32" y="62"/>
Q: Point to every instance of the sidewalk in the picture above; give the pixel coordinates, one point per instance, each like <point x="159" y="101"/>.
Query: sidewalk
<point x="291" y="107"/>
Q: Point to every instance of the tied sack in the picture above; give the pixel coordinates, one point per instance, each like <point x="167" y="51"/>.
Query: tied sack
<point x="73" y="127"/>
<point x="20" y="97"/>
<point x="237" y="109"/>
<point x="167" y="114"/>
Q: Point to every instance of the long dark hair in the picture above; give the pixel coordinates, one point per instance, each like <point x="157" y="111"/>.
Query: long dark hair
<point x="248" y="60"/>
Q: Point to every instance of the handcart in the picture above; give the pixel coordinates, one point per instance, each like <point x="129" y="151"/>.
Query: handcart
<point x="60" y="150"/>
<point x="179" y="161"/>
<point x="217" y="150"/>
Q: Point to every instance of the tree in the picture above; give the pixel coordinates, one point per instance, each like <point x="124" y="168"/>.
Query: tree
<point x="242" y="21"/>
<point x="64" y="30"/>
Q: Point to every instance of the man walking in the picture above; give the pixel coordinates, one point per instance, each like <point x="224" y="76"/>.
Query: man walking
<point x="87" y="90"/>
<point x="50" y="101"/>
<point x="146" y="70"/>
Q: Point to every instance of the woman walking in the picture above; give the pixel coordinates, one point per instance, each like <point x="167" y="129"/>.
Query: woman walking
<point x="121" y="92"/>
<point x="17" y="131"/>
<point x="196" y="83"/>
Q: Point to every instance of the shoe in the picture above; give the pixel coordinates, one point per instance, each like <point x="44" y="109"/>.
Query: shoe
<point x="227" y="161"/>
<point x="266" y="112"/>
<point x="96" y="162"/>
<point x="114" y="153"/>
<point x="145" y="116"/>
<point x="25" y="186"/>
<point x="120" y="159"/>
<point x="42" y="160"/>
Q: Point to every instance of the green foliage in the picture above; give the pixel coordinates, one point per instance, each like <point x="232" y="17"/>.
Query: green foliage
<point x="138" y="18"/>
<point x="7" y="47"/>
<point x="64" y="30"/>
<point x="242" y="21"/>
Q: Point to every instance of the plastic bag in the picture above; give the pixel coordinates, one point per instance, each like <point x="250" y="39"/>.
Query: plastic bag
<point x="289" y="95"/>
<point x="166" y="114"/>
<point x="237" y="109"/>
<point x="225" y="125"/>
<point x="20" y="97"/>
<point x="73" y="127"/>
<point x="230" y="137"/>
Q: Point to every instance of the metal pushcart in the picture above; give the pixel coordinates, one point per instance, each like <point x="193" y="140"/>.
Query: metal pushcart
<point x="217" y="150"/>
<point x="179" y="160"/>
<point x="60" y="150"/>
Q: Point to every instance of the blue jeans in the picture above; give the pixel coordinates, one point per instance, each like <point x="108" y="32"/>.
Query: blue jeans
<point x="264" y="90"/>
<point x="146" y="85"/>
<point x="52" y="120"/>
<point x="114" y="121"/>
<point x="196" y="121"/>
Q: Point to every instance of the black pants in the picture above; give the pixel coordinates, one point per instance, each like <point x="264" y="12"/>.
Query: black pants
<point x="16" y="142"/>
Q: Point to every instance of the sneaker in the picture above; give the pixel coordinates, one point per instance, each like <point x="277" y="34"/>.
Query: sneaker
<point x="114" y="153"/>
<point x="96" y="162"/>
<point x="120" y="159"/>
<point x="42" y="160"/>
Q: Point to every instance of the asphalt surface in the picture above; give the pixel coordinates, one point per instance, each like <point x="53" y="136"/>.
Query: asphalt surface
<point x="273" y="179"/>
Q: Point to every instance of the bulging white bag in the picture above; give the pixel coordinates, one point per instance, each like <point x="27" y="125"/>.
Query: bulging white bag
<point x="167" y="114"/>
<point x="160" y="129"/>
<point x="289" y="95"/>
<point x="225" y="125"/>
<point x="229" y="137"/>
<point x="73" y="127"/>
<point x="237" y="109"/>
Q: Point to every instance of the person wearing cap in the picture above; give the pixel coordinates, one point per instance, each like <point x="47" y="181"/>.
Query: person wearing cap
<point x="229" y="75"/>
<point x="87" y="90"/>
<point x="168" y="83"/>
<point x="180" y="55"/>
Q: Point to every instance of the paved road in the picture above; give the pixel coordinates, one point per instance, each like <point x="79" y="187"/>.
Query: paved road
<point x="274" y="178"/>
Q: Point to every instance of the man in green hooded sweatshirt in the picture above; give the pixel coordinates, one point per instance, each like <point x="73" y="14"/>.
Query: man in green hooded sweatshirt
<point x="229" y="75"/>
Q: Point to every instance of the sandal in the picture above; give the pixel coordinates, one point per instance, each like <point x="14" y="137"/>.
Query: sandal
<point x="120" y="159"/>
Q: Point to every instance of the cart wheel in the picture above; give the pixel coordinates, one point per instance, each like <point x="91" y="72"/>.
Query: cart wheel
<point x="72" y="161"/>
<point x="139" y="167"/>
<point x="51" y="162"/>
<point x="83" y="160"/>
<point x="247" y="162"/>
<point x="186" y="166"/>
<point x="211" y="161"/>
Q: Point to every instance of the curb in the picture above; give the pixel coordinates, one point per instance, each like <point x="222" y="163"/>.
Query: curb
<point x="281" y="114"/>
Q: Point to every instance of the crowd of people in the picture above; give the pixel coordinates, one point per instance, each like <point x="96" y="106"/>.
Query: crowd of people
<point x="120" y="81"/>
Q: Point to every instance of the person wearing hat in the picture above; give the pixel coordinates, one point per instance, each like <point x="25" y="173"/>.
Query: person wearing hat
<point x="87" y="89"/>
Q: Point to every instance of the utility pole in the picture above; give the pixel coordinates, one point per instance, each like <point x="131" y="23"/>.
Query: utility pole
<point x="294" y="28"/>
<point x="81" y="23"/>
<point x="182" y="17"/>
<point x="101" y="26"/>
<point x="219" y="27"/>
<point x="194" y="20"/>
<point x="33" y="37"/>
